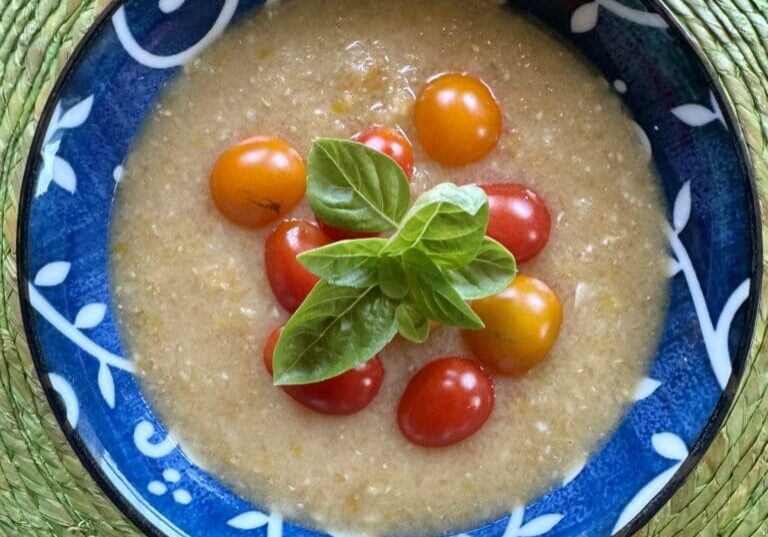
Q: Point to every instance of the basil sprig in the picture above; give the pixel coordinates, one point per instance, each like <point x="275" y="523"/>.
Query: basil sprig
<point x="436" y="258"/>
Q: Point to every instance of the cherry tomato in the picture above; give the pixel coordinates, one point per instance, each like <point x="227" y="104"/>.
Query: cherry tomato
<point x="338" y="234"/>
<point x="290" y="281"/>
<point x="521" y="326"/>
<point x="447" y="400"/>
<point x="457" y="118"/>
<point x="348" y="393"/>
<point x="392" y="143"/>
<point x="519" y="219"/>
<point x="257" y="181"/>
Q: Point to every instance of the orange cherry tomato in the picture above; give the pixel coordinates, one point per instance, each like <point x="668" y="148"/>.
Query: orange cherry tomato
<point x="521" y="326"/>
<point x="348" y="393"/>
<point x="458" y="120"/>
<point x="257" y="181"/>
<point x="391" y="142"/>
<point x="446" y="401"/>
<point x="518" y="219"/>
<point x="290" y="281"/>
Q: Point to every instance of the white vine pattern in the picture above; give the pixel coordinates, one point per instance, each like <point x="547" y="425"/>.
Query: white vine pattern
<point x="697" y="115"/>
<point x="171" y="479"/>
<point x="645" y="388"/>
<point x="142" y="438"/>
<point x="251" y="520"/>
<point x="68" y="397"/>
<point x="54" y="168"/>
<point x="669" y="446"/>
<point x="715" y="336"/>
<point x="645" y="142"/>
<point x="137" y="500"/>
<point x="584" y="18"/>
<point x="52" y="274"/>
<point x="168" y="6"/>
<point x="533" y="528"/>
<point x="154" y="61"/>
<point x="573" y="472"/>
<point x="117" y="173"/>
<point x="89" y="316"/>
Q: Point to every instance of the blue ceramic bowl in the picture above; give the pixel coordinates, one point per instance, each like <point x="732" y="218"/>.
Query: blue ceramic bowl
<point x="97" y="108"/>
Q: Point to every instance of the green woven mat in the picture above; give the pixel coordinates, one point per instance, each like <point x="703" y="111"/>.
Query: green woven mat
<point x="45" y="491"/>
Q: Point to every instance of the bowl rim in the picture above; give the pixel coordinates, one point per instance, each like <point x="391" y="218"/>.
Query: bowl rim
<point x="697" y="450"/>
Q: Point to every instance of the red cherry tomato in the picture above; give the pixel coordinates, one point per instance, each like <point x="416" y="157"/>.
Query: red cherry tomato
<point x="392" y="143"/>
<point x="348" y="393"/>
<point x="447" y="400"/>
<point x="338" y="234"/>
<point x="519" y="219"/>
<point x="290" y="281"/>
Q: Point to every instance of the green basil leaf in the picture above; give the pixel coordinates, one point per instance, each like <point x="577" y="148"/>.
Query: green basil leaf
<point x="354" y="187"/>
<point x="392" y="277"/>
<point x="411" y="323"/>
<point x="352" y="263"/>
<point x="489" y="273"/>
<point x="447" y="222"/>
<point x="432" y="293"/>
<point x="335" y="329"/>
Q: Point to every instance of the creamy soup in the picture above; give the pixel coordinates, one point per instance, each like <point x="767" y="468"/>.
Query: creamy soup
<point x="195" y="306"/>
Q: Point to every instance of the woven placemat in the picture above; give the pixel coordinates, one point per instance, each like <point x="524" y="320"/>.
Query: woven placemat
<point x="44" y="490"/>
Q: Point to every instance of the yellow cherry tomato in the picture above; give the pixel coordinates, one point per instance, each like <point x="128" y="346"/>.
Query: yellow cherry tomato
<point x="258" y="180"/>
<point x="457" y="118"/>
<point x="521" y="326"/>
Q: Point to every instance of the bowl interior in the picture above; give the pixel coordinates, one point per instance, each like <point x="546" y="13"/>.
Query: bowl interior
<point x="98" y="107"/>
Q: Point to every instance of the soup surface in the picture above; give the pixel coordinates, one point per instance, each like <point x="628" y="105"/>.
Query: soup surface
<point x="195" y="306"/>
